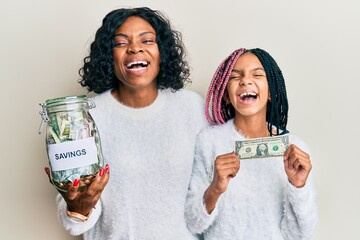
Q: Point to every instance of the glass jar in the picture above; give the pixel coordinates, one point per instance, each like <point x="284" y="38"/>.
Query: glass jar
<point x="72" y="141"/>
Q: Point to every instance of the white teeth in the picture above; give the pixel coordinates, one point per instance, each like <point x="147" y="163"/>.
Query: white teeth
<point x="248" y="94"/>
<point x="144" y="63"/>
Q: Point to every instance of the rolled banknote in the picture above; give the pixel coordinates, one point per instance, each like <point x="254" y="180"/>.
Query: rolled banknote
<point x="262" y="147"/>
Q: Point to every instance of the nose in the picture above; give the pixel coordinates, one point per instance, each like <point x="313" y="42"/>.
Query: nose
<point x="134" y="48"/>
<point x="246" y="80"/>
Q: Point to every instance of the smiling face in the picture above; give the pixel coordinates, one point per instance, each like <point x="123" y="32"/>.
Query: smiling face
<point x="248" y="89"/>
<point x="136" y="55"/>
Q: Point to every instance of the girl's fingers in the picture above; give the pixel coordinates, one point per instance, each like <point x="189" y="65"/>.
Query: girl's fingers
<point x="295" y="160"/>
<point x="296" y="157"/>
<point x="294" y="150"/>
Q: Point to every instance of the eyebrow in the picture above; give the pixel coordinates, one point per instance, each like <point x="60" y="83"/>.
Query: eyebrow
<point x="252" y="70"/>
<point x="126" y="36"/>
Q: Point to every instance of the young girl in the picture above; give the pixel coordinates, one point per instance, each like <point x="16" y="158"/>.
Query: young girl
<point x="264" y="198"/>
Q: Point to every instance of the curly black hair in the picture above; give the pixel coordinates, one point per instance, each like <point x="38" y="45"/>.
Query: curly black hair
<point x="97" y="73"/>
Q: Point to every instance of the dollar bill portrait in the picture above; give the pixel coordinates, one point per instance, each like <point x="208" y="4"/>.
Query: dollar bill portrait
<point x="262" y="150"/>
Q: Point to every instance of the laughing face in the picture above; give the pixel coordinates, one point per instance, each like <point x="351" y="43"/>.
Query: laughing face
<point x="136" y="55"/>
<point x="248" y="89"/>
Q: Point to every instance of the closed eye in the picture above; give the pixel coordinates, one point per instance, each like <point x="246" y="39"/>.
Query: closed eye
<point x="259" y="73"/>
<point x="234" y="77"/>
<point x="148" y="41"/>
<point x="120" y="44"/>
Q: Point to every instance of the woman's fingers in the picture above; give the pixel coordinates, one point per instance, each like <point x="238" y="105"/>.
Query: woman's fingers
<point x="102" y="177"/>
<point x="47" y="171"/>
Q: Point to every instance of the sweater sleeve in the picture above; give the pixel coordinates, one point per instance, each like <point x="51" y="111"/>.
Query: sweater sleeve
<point x="300" y="211"/>
<point x="197" y="218"/>
<point x="75" y="227"/>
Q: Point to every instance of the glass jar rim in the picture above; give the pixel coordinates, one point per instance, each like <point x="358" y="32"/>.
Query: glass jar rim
<point x="66" y="99"/>
<point x="68" y="103"/>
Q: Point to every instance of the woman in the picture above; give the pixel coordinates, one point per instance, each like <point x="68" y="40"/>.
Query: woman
<point x="147" y="124"/>
<point x="261" y="198"/>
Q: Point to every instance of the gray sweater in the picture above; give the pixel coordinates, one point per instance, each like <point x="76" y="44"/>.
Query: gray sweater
<point x="150" y="152"/>
<point x="259" y="203"/>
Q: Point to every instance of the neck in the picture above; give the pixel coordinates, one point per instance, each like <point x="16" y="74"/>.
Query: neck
<point x="252" y="127"/>
<point x="135" y="99"/>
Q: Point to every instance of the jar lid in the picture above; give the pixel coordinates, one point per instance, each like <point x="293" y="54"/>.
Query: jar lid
<point x="68" y="103"/>
<point x="64" y="104"/>
<point x="67" y="99"/>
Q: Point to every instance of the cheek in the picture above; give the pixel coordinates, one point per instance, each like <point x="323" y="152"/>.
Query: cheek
<point x="118" y="64"/>
<point x="157" y="59"/>
<point x="265" y="89"/>
<point x="155" y="53"/>
<point x="156" y="66"/>
<point x="118" y="56"/>
<point x="118" y="71"/>
<point x="231" y="91"/>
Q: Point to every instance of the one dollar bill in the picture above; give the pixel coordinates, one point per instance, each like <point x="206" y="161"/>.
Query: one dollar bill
<point x="262" y="147"/>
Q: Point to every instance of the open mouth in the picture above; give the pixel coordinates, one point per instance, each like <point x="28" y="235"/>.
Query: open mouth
<point x="248" y="96"/>
<point x="137" y="65"/>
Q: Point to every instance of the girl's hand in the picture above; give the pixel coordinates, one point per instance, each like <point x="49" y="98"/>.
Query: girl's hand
<point x="297" y="165"/>
<point x="225" y="167"/>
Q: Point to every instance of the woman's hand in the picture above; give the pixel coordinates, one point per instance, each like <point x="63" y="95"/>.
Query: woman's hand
<point x="225" y="167"/>
<point x="83" y="201"/>
<point x="297" y="165"/>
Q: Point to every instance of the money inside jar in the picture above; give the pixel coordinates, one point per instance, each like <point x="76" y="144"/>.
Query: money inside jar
<point x="72" y="141"/>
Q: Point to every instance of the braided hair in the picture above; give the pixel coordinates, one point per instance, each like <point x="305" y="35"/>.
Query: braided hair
<point x="218" y="111"/>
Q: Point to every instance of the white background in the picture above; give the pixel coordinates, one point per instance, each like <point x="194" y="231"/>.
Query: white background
<point x="315" y="43"/>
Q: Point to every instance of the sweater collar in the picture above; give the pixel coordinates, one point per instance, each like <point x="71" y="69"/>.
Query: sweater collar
<point x="140" y="113"/>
